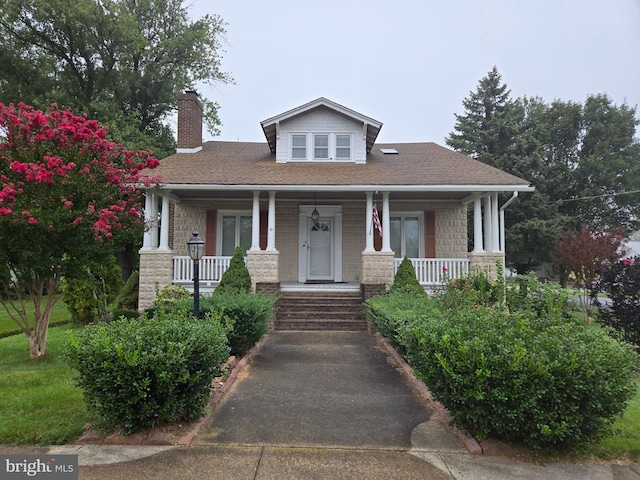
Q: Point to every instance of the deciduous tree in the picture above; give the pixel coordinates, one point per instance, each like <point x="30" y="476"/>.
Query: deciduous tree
<point x="66" y="190"/>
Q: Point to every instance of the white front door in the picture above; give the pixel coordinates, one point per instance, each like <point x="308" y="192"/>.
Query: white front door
<point x="320" y="250"/>
<point x="320" y="244"/>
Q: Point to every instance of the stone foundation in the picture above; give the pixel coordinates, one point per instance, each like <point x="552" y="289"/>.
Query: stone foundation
<point x="156" y="267"/>
<point x="377" y="268"/>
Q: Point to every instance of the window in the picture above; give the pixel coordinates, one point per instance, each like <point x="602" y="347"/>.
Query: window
<point x="299" y="147"/>
<point x="321" y="147"/>
<point x="236" y="230"/>
<point x="404" y="231"/>
<point x="343" y="146"/>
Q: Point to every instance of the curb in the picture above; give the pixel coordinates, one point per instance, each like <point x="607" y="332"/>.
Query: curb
<point x="471" y="443"/>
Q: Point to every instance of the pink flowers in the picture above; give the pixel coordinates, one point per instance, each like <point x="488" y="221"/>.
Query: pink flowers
<point x="627" y="261"/>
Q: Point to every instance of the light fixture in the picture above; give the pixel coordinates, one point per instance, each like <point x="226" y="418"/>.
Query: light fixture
<point x="315" y="215"/>
<point x="195" y="246"/>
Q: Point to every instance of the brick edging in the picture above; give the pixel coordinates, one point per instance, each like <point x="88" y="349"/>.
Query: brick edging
<point x="471" y="443"/>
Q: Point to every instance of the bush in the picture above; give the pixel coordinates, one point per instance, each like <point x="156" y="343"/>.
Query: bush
<point x="406" y="281"/>
<point x="128" y="297"/>
<point x="390" y="314"/>
<point x="236" y="279"/>
<point x="248" y="317"/>
<point x="141" y="373"/>
<point x="547" y="384"/>
<point x="124" y="312"/>
<point x="621" y="280"/>
<point x="167" y="300"/>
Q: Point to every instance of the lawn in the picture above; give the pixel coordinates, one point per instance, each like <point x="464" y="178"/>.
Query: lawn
<point x="39" y="404"/>
<point x="59" y="315"/>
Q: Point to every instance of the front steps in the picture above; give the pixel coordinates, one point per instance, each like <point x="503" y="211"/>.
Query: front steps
<point x="320" y="310"/>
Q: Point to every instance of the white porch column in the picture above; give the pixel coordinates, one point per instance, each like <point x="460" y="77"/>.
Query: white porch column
<point x="154" y="220"/>
<point x="495" y="232"/>
<point x="487" y="223"/>
<point x="386" y="236"/>
<point x="255" y="226"/>
<point x="369" y="223"/>
<point x="271" y="223"/>
<point x="164" y="222"/>
<point x="478" y="246"/>
<point x="147" y="237"/>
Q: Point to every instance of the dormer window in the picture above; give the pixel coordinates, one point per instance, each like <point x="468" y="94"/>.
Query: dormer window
<point x="321" y="146"/>
<point x="343" y="147"/>
<point x="299" y="147"/>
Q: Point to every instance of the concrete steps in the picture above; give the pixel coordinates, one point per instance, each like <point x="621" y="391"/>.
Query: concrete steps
<point x="322" y="310"/>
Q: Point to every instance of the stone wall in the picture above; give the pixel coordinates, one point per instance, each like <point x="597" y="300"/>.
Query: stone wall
<point x="486" y="262"/>
<point x="156" y="266"/>
<point x="377" y="268"/>
<point x="263" y="266"/>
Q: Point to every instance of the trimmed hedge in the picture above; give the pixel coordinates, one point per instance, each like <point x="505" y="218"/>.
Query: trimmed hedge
<point x="247" y="316"/>
<point x="141" y="373"/>
<point x="522" y="373"/>
<point x="405" y="280"/>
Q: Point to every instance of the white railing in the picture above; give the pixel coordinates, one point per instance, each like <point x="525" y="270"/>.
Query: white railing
<point x="211" y="269"/>
<point x="435" y="271"/>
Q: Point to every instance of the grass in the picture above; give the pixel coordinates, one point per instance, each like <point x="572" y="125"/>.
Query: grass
<point x="59" y="315"/>
<point x="39" y="404"/>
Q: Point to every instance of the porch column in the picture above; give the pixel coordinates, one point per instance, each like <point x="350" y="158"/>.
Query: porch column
<point x="146" y="239"/>
<point x="271" y="223"/>
<point x="487" y="222"/>
<point x="255" y="226"/>
<point x="164" y="222"/>
<point x="369" y="224"/>
<point x="478" y="246"/>
<point x="386" y="236"/>
<point x="154" y="220"/>
<point x="495" y="232"/>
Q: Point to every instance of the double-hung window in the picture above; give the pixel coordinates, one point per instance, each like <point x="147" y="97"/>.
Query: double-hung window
<point x="321" y="146"/>
<point x="404" y="231"/>
<point x="236" y="230"/>
<point x="299" y="147"/>
<point x="343" y="147"/>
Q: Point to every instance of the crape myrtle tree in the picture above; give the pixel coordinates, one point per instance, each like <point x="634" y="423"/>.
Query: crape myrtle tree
<point x="66" y="191"/>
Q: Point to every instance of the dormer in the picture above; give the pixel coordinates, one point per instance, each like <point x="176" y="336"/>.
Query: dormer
<point x="321" y="131"/>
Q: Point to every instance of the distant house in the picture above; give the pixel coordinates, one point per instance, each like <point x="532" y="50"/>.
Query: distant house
<point x="303" y="205"/>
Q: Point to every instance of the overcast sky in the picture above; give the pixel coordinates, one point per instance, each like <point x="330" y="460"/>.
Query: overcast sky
<point x="410" y="63"/>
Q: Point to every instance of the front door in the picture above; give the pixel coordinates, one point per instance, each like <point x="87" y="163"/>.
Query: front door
<point x="320" y="250"/>
<point x="320" y="247"/>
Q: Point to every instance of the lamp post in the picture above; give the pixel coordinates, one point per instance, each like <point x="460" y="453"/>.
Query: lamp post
<point x="195" y="246"/>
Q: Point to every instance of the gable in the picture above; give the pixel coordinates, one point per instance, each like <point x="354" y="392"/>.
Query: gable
<point x="321" y="116"/>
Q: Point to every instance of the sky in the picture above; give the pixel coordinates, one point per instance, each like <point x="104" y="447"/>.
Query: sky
<point x="410" y="63"/>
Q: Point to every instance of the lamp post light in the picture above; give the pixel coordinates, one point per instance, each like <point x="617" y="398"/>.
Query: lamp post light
<point x="195" y="246"/>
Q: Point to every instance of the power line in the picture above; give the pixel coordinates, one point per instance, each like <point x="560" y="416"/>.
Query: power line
<point x="594" y="196"/>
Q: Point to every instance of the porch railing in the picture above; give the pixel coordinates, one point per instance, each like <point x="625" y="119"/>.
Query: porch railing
<point x="435" y="271"/>
<point x="211" y="269"/>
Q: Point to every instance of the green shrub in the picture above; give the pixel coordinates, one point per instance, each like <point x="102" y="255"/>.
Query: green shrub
<point x="390" y="314"/>
<point x="128" y="297"/>
<point x="87" y="298"/>
<point x="124" y="312"/>
<point x="248" y="316"/>
<point x="167" y="300"/>
<point x="236" y="279"/>
<point x="141" y="373"/>
<point x="405" y="280"/>
<point x="545" y="383"/>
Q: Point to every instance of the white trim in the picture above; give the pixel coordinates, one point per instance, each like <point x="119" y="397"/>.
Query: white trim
<point x="410" y="213"/>
<point x="351" y="187"/>
<point x="219" y="234"/>
<point x="189" y="150"/>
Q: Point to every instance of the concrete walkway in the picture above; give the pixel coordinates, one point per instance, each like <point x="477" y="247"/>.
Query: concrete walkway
<point x="321" y="405"/>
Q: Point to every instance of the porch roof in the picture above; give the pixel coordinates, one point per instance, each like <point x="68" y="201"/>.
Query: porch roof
<point x="416" y="167"/>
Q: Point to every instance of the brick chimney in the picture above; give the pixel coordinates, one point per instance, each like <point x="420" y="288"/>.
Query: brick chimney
<point x="189" y="122"/>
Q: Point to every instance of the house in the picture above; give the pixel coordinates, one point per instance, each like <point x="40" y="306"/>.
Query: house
<point x="309" y="203"/>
